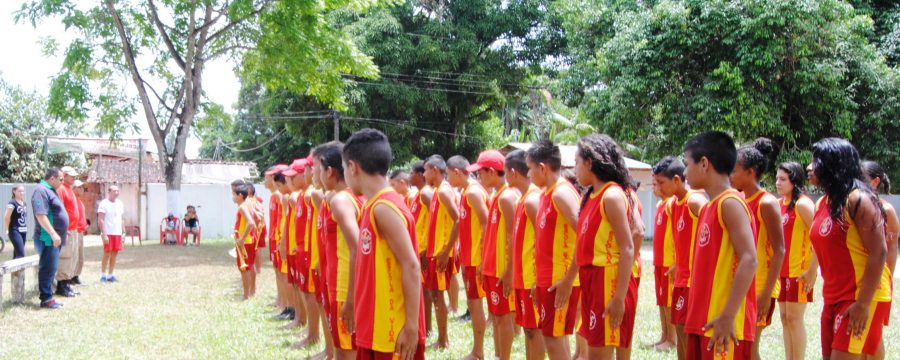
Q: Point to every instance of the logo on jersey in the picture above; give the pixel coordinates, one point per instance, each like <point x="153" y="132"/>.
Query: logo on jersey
<point x="659" y="219"/>
<point x="319" y="222"/>
<point x="826" y="226"/>
<point x="494" y="217"/>
<point x="837" y="322"/>
<point x="495" y="298"/>
<point x="299" y="212"/>
<point x="365" y="242"/>
<point x="543" y="222"/>
<point x="584" y="228"/>
<point x="302" y="279"/>
<point x="462" y="212"/>
<point x="680" y="226"/>
<point x="593" y="322"/>
<point x="680" y="303"/>
<point x="784" y="219"/>
<point x="704" y="235"/>
<point x="415" y="206"/>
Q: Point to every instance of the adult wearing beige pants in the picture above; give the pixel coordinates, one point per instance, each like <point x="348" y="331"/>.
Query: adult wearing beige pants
<point x="81" y="230"/>
<point x="67" y="255"/>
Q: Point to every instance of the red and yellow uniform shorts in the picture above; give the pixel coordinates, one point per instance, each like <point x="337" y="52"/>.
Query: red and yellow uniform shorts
<point x="339" y="334"/>
<point x="498" y="304"/>
<point x="292" y="275"/>
<point x="369" y="354"/>
<point x="834" y="329"/>
<point x="322" y="292"/>
<point x="309" y="280"/>
<point x="272" y="250"/>
<point x="792" y="291"/>
<point x="598" y="287"/>
<point x="526" y="313"/>
<point x="261" y="241"/>
<point x="552" y="321"/>
<point x="664" y="286"/>
<point x="250" y="249"/>
<point x="697" y="349"/>
<point x="474" y="290"/>
<point x="768" y="320"/>
<point x="679" y="305"/>
<point x="437" y="280"/>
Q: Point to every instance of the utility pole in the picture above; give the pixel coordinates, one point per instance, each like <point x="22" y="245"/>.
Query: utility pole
<point x="337" y="124"/>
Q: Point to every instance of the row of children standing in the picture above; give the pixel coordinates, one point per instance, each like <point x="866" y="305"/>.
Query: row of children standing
<point x="547" y="258"/>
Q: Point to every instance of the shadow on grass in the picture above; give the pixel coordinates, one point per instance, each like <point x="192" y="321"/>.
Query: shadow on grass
<point x="157" y="256"/>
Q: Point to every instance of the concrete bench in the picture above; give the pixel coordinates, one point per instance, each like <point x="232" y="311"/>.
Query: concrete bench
<point x="16" y="268"/>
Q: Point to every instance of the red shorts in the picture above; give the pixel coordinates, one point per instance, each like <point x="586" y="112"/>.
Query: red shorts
<point x="526" y="312"/>
<point x="474" y="291"/>
<point x="497" y="303"/>
<point x="696" y="349"/>
<point x="339" y="334"/>
<point x="272" y="250"/>
<point x="276" y="260"/>
<point x="834" y="329"/>
<point x="292" y="275"/>
<point x="556" y="322"/>
<point x="437" y="280"/>
<point x="679" y="306"/>
<point x="663" y="286"/>
<point x="768" y="320"/>
<point x="598" y="287"/>
<point x="369" y="354"/>
<point x="261" y="240"/>
<point x="114" y="243"/>
<point x="792" y="291"/>
<point x="322" y="291"/>
<point x="250" y="249"/>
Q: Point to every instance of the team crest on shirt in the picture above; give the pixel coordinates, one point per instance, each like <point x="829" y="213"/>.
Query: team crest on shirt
<point x="680" y="303"/>
<point x="302" y="279"/>
<point x="462" y="212"/>
<point x="543" y="222"/>
<point x="299" y="212"/>
<point x="784" y="219"/>
<point x="681" y="223"/>
<point x="494" y="217"/>
<point x="659" y="219"/>
<point x="584" y="228"/>
<point x="704" y="235"/>
<point x="415" y="206"/>
<point x="365" y="242"/>
<point x="495" y="298"/>
<point x="593" y="322"/>
<point x="319" y="222"/>
<point x="826" y="226"/>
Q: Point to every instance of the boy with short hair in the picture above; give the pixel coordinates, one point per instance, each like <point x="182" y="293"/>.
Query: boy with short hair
<point x="389" y="310"/>
<point x="274" y="232"/>
<point x="296" y="226"/>
<point x="245" y="239"/>
<point x="281" y="272"/>
<point x="556" y="294"/>
<point x="473" y="214"/>
<point x="309" y="257"/>
<point x="498" y="239"/>
<point x="663" y="254"/>
<point x="722" y="304"/>
<point x="443" y="231"/>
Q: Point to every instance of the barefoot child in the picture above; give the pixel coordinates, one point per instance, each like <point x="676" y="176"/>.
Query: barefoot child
<point x="663" y="255"/>
<point x="389" y="313"/>
<point x="245" y="240"/>
<point x="443" y="230"/>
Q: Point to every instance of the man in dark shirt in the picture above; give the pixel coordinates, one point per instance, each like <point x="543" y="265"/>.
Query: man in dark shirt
<point x="50" y="232"/>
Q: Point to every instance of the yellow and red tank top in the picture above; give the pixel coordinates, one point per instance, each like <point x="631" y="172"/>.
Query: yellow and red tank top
<point x="261" y="229"/>
<point x="715" y="263"/>
<point x="842" y="257"/>
<point x="554" y="238"/>
<point x="300" y="223"/>
<point x="291" y="229"/>
<point x="440" y="224"/>
<point x="311" y="244"/>
<point x="420" y="212"/>
<point x="380" y="304"/>
<point x="596" y="242"/>
<point x="635" y="204"/>
<point x="274" y="218"/>
<point x="523" y="245"/>
<point x="663" y="241"/>
<point x="321" y="223"/>
<point x="471" y="230"/>
<point x="764" y="250"/>
<point x="336" y="251"/>
<point x="496" y="241"/>
<point x="797" y="247"/>
<point x="240" y="225"/>
<point x="684" y="230"/>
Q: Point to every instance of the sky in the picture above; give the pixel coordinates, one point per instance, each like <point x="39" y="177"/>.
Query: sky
<point x="24" y="65"/>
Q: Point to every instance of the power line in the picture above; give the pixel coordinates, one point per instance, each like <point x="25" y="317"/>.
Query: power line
<point x="404" y="123"/>
<point x="455" y="81"/>
<point x="256" y="147"/>
<point x="424" y="89"/>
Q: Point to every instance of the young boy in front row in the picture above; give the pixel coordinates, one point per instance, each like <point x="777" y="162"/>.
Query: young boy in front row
<point x="443" y="230"/>
<point x="389" y="308"/>
<point x="721" y="310"/>
<point x="245" y="240"/>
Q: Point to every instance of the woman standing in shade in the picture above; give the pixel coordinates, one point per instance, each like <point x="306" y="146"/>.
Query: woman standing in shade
<point x="14" y="221"/>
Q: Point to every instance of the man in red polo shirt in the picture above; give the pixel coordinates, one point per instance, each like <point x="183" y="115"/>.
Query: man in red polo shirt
<point x="67" y="254"/>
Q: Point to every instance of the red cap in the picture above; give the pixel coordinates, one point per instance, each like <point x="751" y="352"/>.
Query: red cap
<point x="309" y="160"/>
<point x="277" y="169"/>
<point x="488" y="159"/>
<point x="297" y="167"/>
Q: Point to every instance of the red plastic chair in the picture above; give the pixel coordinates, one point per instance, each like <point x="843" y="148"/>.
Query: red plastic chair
<point x="185" y="233"/>
<point x="174" y="231"/>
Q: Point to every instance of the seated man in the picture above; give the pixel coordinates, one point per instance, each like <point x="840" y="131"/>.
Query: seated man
<point x="191" y="225"/>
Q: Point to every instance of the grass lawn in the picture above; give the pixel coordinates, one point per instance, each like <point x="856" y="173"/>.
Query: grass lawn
<point x="184" y="303"/>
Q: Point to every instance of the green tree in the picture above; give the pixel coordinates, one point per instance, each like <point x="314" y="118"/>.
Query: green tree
<point x="794" y="71"/>
<point x="162" y="48"/>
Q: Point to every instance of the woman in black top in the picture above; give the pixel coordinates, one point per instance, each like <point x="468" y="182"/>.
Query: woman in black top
<point x="191" y="224"/>
<point x="14" y="221"/>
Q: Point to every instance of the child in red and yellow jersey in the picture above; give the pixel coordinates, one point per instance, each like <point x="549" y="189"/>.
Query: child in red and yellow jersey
<point x="419" y="206"/>
<point x="389" y="308"/>
<point x="848" y="236"/>
<point x="245" y="239"/>
<point x="523" y="268"/>
<point x="881" y="184"/>
<point x="498" y="242"/>
<point x="800" y="267"/>
<point x="274" y="232"/>
<point x="752" y="163"/>
<point x="296" y="225"/>
<point x="473" y="214"/>
<point x="309" y="276"/>
<point x="664" y="252"/>
<point x="721" y="311"/>
<point x="443" y="231"/>
<point x="605" y="248"/>
<point x="557" y="290"/>
<point x="341" y="233"/>
<point x="683" y="219"/>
